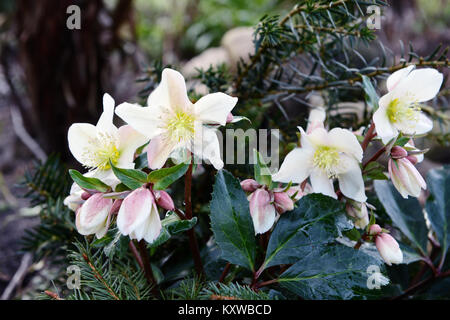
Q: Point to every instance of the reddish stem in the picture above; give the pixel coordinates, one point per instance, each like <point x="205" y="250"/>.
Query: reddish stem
<point x="225" y="272"/>
<point x="148" y="267"/>
<point x="375" y="156"/>
<point x="193" y="244"/>
<point x="369" y="136"/>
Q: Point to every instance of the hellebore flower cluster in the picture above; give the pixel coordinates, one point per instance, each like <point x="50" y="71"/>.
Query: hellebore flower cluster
<point x="173" y="125"/>
<point x="386" y="245"/>
<point x="265" y="204"/>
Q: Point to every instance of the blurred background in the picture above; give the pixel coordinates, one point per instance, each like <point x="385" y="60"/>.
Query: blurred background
<point x="51" y="77"/>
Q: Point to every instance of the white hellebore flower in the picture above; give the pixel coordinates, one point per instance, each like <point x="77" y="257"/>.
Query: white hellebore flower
<point x="322" y="157"/>
<point x="94" y="146"/>
<point x="399" y="109"/>
<point x="174" y="124"/>
<point x="138" y="216"/>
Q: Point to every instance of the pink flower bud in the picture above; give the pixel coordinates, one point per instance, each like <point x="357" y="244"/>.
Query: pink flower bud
<point x="138" y="216"/>
<point x="389" y="249"/>
<point x="398" y="152"/>
<point x="374" y="230"/>
<point x="262" y="211"/>
<point x="358" y="211"/>
<point x="230" y="117"/>
<point x="283" y="202"/>
<point x="405" y="177"/>
<point x="93" y="216"/>
<point x="164" y="200"/>
<point x="85" y="195"/>
<point x="249" y="185"/>
<point x="412" y="159"/>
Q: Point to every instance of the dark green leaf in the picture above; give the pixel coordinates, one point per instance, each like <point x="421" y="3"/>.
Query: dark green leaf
<point x="172" y="225"/>
<point x="317" y="220"/>
<point x="132" y="178"/>
<point x="231" y="221"/>
<point x="88" y="183"/>
<point x="333" y="272"/>
<point x="163" y="178"/>
<point x="406" y="214"/>
<point x="438" y="204"/>
<point x="141" y="161"/>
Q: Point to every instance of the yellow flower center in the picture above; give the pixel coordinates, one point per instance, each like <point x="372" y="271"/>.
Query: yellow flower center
<point x="99" y="151"/>
<point x="181" y="126"/>
<point x="398" y="111"/>
<point x="327" y="159"/>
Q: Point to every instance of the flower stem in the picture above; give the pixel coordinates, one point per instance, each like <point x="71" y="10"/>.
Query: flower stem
<point x="225" y="272"/>
<point x="369" y="136"/>
<point x="148" y="267"/>
<point x="193" y="244"/>
<point x="375" y="156"/>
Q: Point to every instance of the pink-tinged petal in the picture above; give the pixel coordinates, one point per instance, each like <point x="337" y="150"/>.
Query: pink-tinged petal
<point x="93" y="214"/>
<point x="171" y="93"/>
<point x="396" y="178"/>
<point x="420" y="85"/>
<point x="394" y="79"/>
<point x="322" y="184"/>
<point x="296" y="192"/>
<point x="351" y="182"/>
<point x="345" y="141"/>
<point x="316" y="119"/>
<point x="283" y="202"/>
<point x="105" y="122"/>
<point x="262" y="211"/>
<point x="296" y="167"/>
<point x="389" y="249"/>
<point x="129" y="141"/>
<point x="215" y="108"/>
<point x="398" y="152"/>
<point x="135" y="209"/>
<point x="158" y="151"/>
<point x="385" y="129"/>
<point x="146" y="120"/>
<point x="414" y="174"/>
<point x="80" y="136"/>
<point x="249" y="185"/>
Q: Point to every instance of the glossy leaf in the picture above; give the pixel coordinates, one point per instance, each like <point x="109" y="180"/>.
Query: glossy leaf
<point x="163" y="178"/>
<point x="231" y="221"/>
<point x="132" y="178"/>
<point x="334" y="272"/>
<point x="317" y="220"/>
<point x="88" y="183"/>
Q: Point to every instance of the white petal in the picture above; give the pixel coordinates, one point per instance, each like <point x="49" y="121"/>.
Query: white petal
<point x="207" y="147"/>
<point x="296" y="167"/>
<point x="171" y="92"/>
<point x="105" y="122"/>
<point x="146" y="120"/>
<point x="351" y="182"/>
<point x="420" y="85"/>
<point x="129" y="141"/>
<point x="322" y="184"/>
<point x="317" y="137"/>
<point x="79" y="137"/>
<point x="214" y="108"/>
<point x="158" y="151"/>
<point x="424" y="124"/>
<point x="395" y="78"/>
<point x="385" y="129"/>
<point x="153" y="226"/>
<point x="346" y="141"/>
